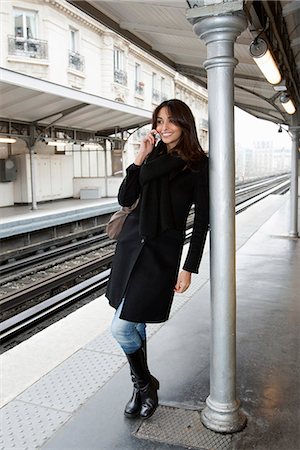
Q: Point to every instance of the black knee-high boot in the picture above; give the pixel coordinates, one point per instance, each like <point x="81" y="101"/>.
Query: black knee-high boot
<point x="133" y="406"/>
<point x="144" y="399"/>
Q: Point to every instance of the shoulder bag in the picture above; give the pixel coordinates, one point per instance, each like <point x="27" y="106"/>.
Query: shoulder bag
<point x="116" y="222"/>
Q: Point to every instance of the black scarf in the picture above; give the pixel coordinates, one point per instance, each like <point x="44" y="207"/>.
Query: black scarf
<point x="156" y="213"/>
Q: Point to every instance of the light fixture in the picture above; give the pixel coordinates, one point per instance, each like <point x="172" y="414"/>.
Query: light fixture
<point x="287" y="103"/>
<point x="7" y="140"/>
<point x="262" y="56"/>
<point x="280" y="129"/>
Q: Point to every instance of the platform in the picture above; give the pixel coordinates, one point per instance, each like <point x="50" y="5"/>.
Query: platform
<point x="22" y="219"/>
<point x="66" y="386"/>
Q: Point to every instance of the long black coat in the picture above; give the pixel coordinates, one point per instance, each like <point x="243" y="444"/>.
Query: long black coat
<point x="144" y="272"/>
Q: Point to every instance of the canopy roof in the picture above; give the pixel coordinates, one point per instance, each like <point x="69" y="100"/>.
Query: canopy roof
<point x="161" y="28"/>
<point x="31" y="100"/>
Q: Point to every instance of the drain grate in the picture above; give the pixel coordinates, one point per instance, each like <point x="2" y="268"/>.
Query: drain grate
<point x="183" y="427"/>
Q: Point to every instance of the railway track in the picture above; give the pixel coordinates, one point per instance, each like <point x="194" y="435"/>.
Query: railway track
<point x="66" y="280"/>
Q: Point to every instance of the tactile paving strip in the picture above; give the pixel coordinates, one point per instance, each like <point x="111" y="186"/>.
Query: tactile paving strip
<point x="70" y="384"/>
<point x="27" y="427"/>
<point x="105" y="343"/>
<point x="182" y="427"/>
<point x="197" y="283"/>
<point x="152" y="328"/>
<point x="178" y="302"/>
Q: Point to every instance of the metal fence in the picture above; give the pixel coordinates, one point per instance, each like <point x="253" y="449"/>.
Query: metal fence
<point x="28" y="48"/>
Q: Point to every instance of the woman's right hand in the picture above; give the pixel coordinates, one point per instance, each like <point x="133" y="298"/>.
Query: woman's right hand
<point x="146" y="147"/>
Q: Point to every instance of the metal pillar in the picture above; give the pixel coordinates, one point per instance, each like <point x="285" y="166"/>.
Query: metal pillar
<point x="222" y="413"/>
<point x="32" y="177"/>
<point x="105" y="168"/>
<point x="294" y="184"/>
<point x="31" y="141"/>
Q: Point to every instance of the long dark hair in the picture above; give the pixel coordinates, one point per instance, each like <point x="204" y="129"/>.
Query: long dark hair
<point x="188" y="147"/>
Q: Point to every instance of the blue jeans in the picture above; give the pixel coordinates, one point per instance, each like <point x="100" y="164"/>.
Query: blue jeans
<point x="129" y="335"/>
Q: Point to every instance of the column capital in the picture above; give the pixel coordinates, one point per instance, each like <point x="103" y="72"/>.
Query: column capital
<point x="219" y="28"/>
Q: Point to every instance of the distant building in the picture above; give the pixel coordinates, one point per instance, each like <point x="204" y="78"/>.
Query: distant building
<point x="262" y="160"/>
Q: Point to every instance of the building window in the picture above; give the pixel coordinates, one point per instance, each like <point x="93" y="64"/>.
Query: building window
<point x="25" y="42"/>
<point x="120" y="76"/>
<point x="25" y="24"/>
<point x="73" y="38"/>
<point x="155" y="91"/>
<point x="139" y="84"/>
<point x="76" y="61"/>
<point x="164" y="95"/>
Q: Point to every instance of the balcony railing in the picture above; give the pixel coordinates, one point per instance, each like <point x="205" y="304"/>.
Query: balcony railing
<point x="120" y="77"/>
<point x="155" y="95"/>
<point x="76" y="61"/>
<point x="204" y="124"/>
<point x="139" y="87"/>
<point x="27" y="48"/>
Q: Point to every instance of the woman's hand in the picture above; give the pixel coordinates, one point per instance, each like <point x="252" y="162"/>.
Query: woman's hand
<point x="183" y="281"/>
<point x="146" y="147"/>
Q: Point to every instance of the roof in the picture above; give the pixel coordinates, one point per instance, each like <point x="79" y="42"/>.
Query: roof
<point x="161" y="28"/>
<point x="29" y="99"/>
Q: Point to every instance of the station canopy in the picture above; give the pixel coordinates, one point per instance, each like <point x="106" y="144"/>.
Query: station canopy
<point x="161" y="28"/>
<point x="35" y="101"/>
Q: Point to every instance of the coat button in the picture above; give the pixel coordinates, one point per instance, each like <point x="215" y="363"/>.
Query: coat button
<point x="142" y="241"/>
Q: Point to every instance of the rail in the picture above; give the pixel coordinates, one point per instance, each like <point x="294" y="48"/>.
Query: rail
<point x="39" y="312"/>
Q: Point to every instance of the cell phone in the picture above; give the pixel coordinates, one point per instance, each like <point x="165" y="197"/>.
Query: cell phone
<point x="157" y="138"/>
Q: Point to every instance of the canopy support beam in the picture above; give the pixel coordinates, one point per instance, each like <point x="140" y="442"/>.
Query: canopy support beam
<point x="294" y="183"/>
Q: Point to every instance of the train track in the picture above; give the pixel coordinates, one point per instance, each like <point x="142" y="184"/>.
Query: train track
<point x="18" y="263"/>
<point x="80" y="280"/>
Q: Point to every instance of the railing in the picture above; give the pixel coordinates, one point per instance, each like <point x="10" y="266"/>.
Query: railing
<point x="155" y="95"/>
<point x="120" y="77"/>
<point x="76" y="61"/>
<point x="139" y="87"/>
<point x="28" y="48"/>
<point x="204" y="124"/>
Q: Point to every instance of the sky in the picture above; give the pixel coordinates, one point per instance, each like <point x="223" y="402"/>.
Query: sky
<point x="249" y="129"/>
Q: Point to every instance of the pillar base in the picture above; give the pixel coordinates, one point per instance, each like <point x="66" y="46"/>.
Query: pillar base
<point x="223" y="417"/>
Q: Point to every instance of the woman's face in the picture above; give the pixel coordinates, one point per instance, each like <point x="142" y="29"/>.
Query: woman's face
<point x="169" y="132"/>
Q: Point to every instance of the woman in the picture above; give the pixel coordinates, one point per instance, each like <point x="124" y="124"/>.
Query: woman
<point x="168" y="177"/>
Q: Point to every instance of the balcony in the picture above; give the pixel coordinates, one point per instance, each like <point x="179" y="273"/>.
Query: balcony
<point x="76" y="61"/>
<point x="27" y="48"/>
<point x="155" y="95"/>
<point x="139" y="87"/>
<point x="120" y="77"/>
<point x="204" y="124"/>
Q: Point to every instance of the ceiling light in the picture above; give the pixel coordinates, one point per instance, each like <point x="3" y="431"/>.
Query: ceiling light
<point x="262" y="56"/>
<point x="7" y="140"/>
<point x="287" y="103"/>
